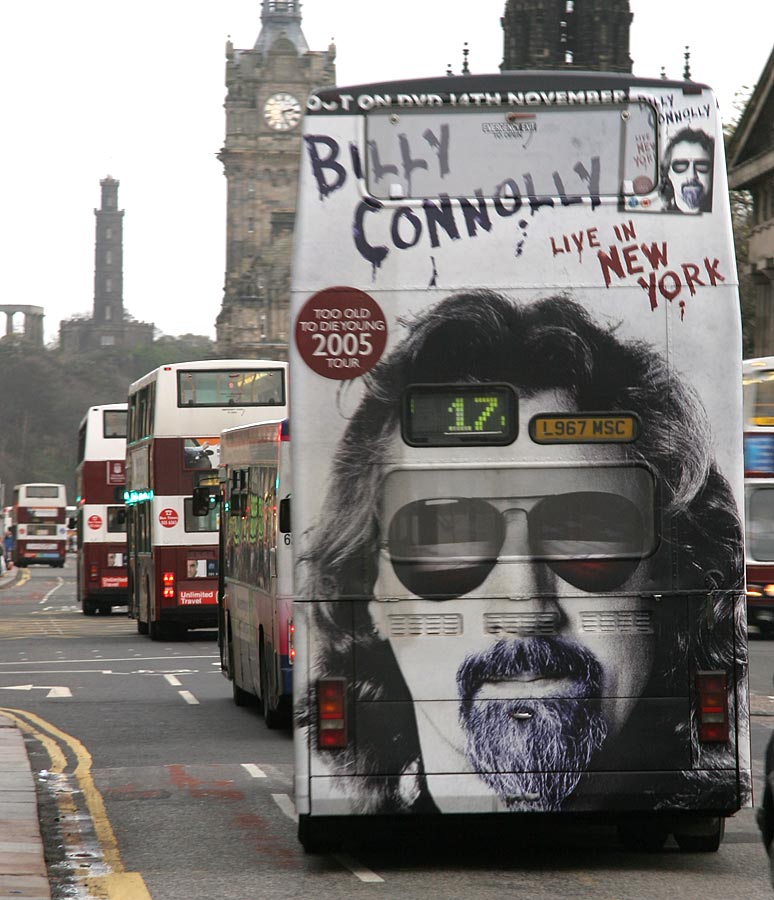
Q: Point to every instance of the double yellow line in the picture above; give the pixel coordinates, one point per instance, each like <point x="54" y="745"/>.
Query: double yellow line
<point x="119" y="884"/>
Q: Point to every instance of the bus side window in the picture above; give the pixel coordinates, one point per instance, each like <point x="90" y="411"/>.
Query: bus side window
<point x="284" y="516"/>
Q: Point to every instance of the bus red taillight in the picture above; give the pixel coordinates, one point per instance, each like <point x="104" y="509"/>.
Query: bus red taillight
<point x="291" y="642"/>
<point x="93" y="572"/>
<point x="712" y="692"/>
<point x="331" y="713"/>
<point x="168" y="582"/>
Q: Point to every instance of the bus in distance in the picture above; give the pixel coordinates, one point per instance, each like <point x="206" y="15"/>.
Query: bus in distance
<point x="517" y="461"/>
<point x="100" y="518"/>
<point x="758" y="391"/>
<point x="176" y="414"/>
<point x="38" y="524"/>
<point x="255" y="622"/>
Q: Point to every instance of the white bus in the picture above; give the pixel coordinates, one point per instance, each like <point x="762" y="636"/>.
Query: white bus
<point x="758" y="381"/>
<point x="38" y="524"/>
<point x="100" y="514"/>
<point x="517" y="460"/>
<point x="176" y="415"/>
<point x="255" y="625"/>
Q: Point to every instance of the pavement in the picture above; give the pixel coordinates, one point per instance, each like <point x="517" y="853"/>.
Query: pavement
<point x="23" y="870"/>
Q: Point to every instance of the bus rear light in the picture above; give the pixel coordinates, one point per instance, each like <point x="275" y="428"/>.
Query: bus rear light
<point x="754" y="590"/>
<point x="93" y="572"/>
<point x="291" y="642"/>
<point x="769" y="590"/>
<point x="168" y="581"/>
<point x="712" y="692"/>
<point x="331" y="713"/>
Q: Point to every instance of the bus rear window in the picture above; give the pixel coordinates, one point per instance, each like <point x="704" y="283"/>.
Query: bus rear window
<point x="42" y="490"/>
<point x="570" y="151"/>
<point x="114" y="423"/>
<point x="255" y="387"/>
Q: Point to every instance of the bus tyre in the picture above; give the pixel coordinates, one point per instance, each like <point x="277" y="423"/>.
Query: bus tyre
<point x="241" y="697"/>
<point x="142" y="627"/>
<point x="272" y="716"/>
<point x="89" y="608"/>
<point x="104" y="609"/>
<point x="705" y="837"/>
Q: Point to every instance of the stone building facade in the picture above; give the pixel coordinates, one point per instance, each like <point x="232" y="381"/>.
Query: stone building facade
<point x="267" y="88"/>
<point x="556" y="34"/>
<point x="110" y="325"/>
<point x="750" y="154"/>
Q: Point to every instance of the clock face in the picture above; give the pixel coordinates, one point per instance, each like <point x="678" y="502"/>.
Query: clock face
<point x="282" y="112"/>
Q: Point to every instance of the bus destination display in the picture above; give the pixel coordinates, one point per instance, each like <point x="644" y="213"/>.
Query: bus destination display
<point x="467" y="414"/>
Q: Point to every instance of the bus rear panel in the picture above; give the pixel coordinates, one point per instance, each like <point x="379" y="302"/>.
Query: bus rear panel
<point x="517" y="460"/>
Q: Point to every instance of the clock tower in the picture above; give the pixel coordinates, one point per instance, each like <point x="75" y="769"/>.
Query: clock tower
<point x="267" y="88"/>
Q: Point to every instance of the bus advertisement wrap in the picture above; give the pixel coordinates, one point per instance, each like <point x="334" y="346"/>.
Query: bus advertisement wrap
<point x="517" y="455"/>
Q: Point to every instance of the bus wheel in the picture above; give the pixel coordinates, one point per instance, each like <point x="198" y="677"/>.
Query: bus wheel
<point x="142" y="627"/>
<point x="271" y="715"/>
<point x="240" y="695"/>
<point x="105" y="610"/>
<point x="89" y="608"/>
<point x="706" y="837"/>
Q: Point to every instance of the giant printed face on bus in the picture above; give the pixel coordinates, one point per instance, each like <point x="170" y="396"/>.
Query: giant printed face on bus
<point x="521" y="686"/>
<point x="688" y="165"/>
<point x="527" y="577"/>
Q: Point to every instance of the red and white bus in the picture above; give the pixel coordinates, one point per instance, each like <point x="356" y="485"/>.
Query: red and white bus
<point x="255" y="622"/>
<point x="758" y="382"/>
<point x="100" y="512"/>
<point x="38" y="524"/>
<point x="176" y="415"/>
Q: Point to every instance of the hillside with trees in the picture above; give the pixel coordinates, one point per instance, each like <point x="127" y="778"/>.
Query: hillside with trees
<point x="44" y="394"/>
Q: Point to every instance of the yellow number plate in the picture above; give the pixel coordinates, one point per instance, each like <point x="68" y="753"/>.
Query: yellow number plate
<point x="584" y="429"/>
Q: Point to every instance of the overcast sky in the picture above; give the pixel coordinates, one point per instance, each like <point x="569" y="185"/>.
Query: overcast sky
<point x="135" y="89"/>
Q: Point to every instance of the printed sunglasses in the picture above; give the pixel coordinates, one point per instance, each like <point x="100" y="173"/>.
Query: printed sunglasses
<point x="443" y="548"/>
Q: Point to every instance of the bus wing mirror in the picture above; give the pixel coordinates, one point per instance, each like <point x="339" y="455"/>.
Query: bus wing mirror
<point x="121" y="515"/>
<point x="284" y="516"/>
<point x="71" y="523"/>
<point x="200" y="501"/>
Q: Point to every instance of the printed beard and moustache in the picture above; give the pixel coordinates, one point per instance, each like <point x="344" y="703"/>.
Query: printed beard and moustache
<point x="692" y="193"/>
<point x="532" y="764"/>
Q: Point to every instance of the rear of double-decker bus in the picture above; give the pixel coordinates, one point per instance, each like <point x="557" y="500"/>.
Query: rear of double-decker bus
<point x="517" y="460"/>
<point x="758" y="391"/>
<point x="38" y="524"/>
<point x="100" y="517"/>
<point x="176" y="416"/>
<point x="255" y="624"/>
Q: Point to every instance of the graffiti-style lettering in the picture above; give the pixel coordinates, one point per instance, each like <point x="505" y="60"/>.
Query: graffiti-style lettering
<point x="325" y="166"/>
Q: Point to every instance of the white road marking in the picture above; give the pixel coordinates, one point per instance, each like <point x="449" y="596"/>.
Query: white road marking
<point x="253" y="770"/>
<point x="175" y="682"/>
<point x="286" y="805"/>
<point x="188" y="697"/>
<point x="43" y="662"/>
<point x="53" y="690"/>
<point x="54" y="588"/>
<point x="356" y="869"/>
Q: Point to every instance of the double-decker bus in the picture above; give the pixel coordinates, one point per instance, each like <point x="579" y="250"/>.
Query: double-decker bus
<point x="255" y="624"/>
<point x="38" y="524"/>
<point x="176" y="415"/>
<point x="758" y="380"/>
<point x="100" y="517"/>
<point x="517" y="460"/>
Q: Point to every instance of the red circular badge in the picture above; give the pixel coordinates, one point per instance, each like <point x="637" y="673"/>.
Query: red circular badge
<point x="94" y="522"/>
<point x="341" y="333"/>
<point x="168" y="518"/>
